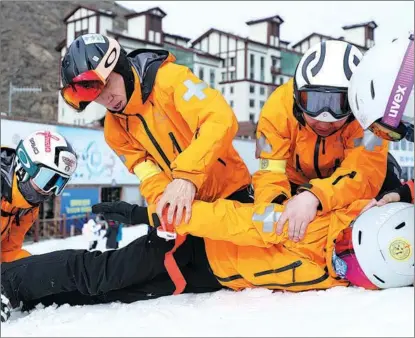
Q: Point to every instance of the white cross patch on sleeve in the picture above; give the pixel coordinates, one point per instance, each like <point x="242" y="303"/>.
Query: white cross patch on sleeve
<point x="194" y="89"/>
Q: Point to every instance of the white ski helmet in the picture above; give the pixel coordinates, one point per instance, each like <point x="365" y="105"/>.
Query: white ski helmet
<point x="47" y="159"/>
<point x="322" y="79"/>
<point x="381" y="92"/>
<point x="383" y="242"/>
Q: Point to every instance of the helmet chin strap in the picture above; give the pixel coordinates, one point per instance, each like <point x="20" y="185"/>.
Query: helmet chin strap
<point x="30" y="194"/>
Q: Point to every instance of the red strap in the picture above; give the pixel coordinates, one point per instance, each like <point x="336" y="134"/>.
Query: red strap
<point x="172" y="267"/>
<point x="169" y="261"/>
<point x="410" y="183"/>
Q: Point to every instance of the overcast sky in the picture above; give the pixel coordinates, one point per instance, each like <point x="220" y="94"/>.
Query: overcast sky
<point x="193" y="18"/>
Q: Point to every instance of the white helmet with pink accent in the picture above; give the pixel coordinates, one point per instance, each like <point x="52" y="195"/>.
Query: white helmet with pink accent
<point x="47" y="159"/>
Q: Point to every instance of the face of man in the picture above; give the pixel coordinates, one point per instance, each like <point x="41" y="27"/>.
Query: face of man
<point x="113" y="96"/>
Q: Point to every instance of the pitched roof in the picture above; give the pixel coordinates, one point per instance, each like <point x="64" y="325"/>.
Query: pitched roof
<point x="193" y="50"/>
<point x="148" y="11"/>
<point x="100" y="11"/>
<point x="175" y="36"/>
<point x="270" y="18"/>
<point x="364" y="24"/>
<point x="238" y="37"/>
<point x="328" y="37"/>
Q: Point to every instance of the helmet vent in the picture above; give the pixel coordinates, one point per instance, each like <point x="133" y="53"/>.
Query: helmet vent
<point x="357" y="102"/>
<point x="360" y="238"/>
<point x="400" y="226"/>
<point x="372" y="89"/>
<point x="379" y="279"/>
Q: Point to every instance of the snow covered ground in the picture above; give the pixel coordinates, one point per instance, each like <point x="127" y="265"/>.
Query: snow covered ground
<point x="336" y="312"/>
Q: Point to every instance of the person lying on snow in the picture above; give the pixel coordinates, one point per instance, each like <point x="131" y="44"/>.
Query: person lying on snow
<point x="226" y="244"/>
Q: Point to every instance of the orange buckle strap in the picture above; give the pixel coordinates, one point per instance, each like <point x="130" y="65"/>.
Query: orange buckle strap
<point x="172" y="267"/>
<point x="167" y="231"/>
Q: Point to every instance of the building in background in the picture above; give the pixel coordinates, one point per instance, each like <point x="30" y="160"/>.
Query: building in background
<point x="253" y="65"/>
<point x="361" y="35"/>
<point x="245" y="69"/>
<point x="144" y="30"/>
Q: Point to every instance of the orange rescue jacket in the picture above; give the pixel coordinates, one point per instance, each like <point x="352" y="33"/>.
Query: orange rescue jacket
<point x="339" y="169"/>
<point x="17" y="215"/>
<point x="175" y="126"/>
<point x="244" y="250"/>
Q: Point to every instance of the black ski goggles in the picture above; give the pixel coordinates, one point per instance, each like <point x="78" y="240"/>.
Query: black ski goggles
<point x="324" y="104"/>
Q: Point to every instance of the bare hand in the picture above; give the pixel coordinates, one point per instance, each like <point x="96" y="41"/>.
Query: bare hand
<point x="387" y="198"/>
<point x="179" y="195"/>
<point x="299" y="212"/>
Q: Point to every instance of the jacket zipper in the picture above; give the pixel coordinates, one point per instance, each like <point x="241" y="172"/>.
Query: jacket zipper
<point x="297" y="163"/>
<point x="175" y="143"/>
<point x="219" y="159"/>
<point x="351" y="175"/>
<point x="316" y="154"/>
<point x="320" y="279"/>
<point x="324" y="146"/>
<point x="9" y="215"/>
<point x="153" y="140"/>
<point x="291" y="266"/>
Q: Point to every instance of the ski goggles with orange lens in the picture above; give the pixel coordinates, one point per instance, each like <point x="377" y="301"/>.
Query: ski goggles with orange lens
<point x="387" y="132"/>
<point x="84" y="89"/>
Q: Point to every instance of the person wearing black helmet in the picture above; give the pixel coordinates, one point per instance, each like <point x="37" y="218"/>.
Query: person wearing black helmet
<point x="168" y="127"/>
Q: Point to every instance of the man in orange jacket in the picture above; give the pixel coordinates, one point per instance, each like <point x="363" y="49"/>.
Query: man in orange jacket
<point x="38" y="168"/>
<point x="239" y="249"/>
<point x="312" y="152"/>
<point x="168" y="127"/>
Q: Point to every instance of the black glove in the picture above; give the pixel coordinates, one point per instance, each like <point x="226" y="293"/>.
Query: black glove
<point x="122" y="212"/>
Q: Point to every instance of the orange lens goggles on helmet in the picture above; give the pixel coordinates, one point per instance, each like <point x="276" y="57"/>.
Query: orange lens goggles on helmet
<point x="386" y="133"/>
<point x="84" y="88"/>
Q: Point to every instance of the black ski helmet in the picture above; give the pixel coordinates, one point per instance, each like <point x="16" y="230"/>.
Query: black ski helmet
<point x="93" y="52"/>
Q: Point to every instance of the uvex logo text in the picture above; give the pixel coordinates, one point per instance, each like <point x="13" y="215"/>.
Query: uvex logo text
<point x="397" y="99"/>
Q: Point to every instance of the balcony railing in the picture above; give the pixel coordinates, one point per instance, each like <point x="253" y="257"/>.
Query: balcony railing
<point x="275" y="70"/>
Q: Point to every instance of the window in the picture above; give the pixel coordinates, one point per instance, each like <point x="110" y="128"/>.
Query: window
<point x="262" y="90"/>
<point x="231" y="89"/>
<point x="261" y="104"/>
<point x="232" y="59"/>
<point x="274" y="61"/>
<point x="281" y="80"/>
<point x="395" y="145"/>
<point x="274" y="79"/>
<point x="231" y="103"/>
<point x="403" y="144"/>
<point x="252" y="103"/>
<point x="223" y="76"/>
<point x="252" y="67"/>
<point x="275" y="29"/>
<point x="370" y="33"/>
<point x="223" y="90"/>
<point x="81" y="32"/>
<point x="232" y="76"/>
<point x="212" y="78"/>
<point x="155" y="23"/>
<point x="201" y="73"/>
<point x="252" y="88"/>
<point x="110" y="194"/>
<point x="252" y="117"/>
<point x="262" y="75"/>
